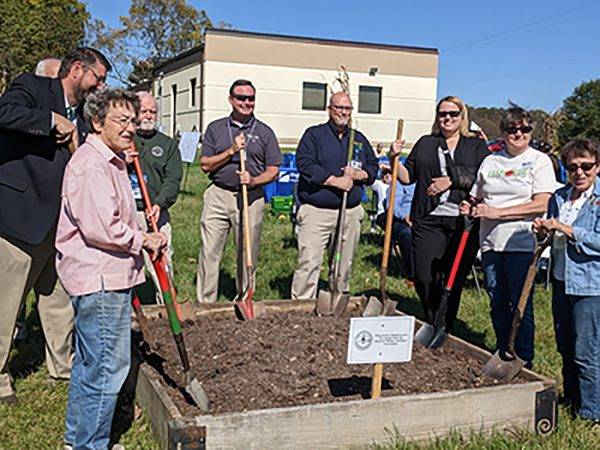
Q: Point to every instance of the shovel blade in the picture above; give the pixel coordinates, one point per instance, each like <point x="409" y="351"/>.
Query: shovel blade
<point x="197" y="392"/>
<point x="339" y="304"/>
<point x="439" y="338"/>
<point x="503" y="366"/>
<point x="425" y="334"/>
<point x="323" y="306"/>
<point x="373" y="308"/>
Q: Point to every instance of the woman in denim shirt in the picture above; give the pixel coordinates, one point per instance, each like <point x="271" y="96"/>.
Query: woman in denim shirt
<point x="574" y="218"/>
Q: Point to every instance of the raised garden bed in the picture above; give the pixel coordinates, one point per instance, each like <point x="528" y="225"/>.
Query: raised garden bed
<point x="282" y="382"/>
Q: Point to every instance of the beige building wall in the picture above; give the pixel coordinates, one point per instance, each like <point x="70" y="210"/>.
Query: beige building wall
<point x="188" y="114"/>
<point x="279" y="99"/>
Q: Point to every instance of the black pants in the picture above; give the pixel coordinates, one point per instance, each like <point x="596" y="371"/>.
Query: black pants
<point x="435" y="242"/>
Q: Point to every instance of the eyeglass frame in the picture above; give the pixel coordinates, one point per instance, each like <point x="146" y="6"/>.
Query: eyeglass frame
<point x="99" y="79"/>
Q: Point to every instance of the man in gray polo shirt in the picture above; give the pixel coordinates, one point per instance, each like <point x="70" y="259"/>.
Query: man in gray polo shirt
<point x="223" y="140"/>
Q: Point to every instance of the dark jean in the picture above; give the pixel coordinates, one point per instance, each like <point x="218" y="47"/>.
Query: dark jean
<point x="100" y="366"/>
<point x="505" y="274"/>
<point x="577" y="328"/>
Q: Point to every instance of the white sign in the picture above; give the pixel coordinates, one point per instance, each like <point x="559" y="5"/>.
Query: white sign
<point x="380" y="339"/>
<point x="188" y="145"/>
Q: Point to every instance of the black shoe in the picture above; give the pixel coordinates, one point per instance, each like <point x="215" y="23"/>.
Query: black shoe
<point x="10" y="400"/>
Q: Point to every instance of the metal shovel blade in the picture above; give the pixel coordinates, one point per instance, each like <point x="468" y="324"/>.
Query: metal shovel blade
<point x="324" y="304"/>
<point x="196" y="391"/>
<point x="439" y="338"/>
<point x="373" y="308"/>
<point x="339" y="303"/>
<point x="425" y="334"/>
<point x="503" y="366"/>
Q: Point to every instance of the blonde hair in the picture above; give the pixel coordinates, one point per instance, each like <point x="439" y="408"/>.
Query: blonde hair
<point x="464" y="120"/>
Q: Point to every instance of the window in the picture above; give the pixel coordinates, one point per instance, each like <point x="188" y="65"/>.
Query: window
<point x="173" y="110"/>
<point x="192" y="92"/>
<point x="369" y="99"/>
<point x="314" y="96"/>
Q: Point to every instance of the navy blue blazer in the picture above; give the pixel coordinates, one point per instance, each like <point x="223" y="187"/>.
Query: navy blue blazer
<point x="31" y="163"/>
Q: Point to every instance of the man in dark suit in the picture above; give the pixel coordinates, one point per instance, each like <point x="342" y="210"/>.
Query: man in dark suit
<point x="40" y="125"/>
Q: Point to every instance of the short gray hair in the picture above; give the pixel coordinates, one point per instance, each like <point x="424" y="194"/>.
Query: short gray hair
<point x="98" y="102"/>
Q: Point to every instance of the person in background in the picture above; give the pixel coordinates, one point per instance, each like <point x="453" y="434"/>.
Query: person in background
<point x="162" y="167"/>
<point x="40" y="123"/>
<point x="222" y="142"/>
<point x="574" y="218"/>
<point x="325" y="173"/>
<point x="48" y="67"/>
<point x="443" y="167"/>
<point x="512" y="187"/>
<point x="99" y="259"/>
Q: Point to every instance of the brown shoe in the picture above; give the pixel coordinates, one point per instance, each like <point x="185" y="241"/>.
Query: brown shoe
<point x="10" y="400"/>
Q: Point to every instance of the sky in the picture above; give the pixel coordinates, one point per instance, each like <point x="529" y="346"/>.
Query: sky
<point x="533" y="52"/>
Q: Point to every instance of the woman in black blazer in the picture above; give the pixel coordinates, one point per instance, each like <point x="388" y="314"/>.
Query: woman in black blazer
<point x="443" y="165"/>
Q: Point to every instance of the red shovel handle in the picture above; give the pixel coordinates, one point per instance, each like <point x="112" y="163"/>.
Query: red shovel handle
<point x="459" y="253"/>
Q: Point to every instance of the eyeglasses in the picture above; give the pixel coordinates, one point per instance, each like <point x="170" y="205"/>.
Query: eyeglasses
<point x="442" y="114"/>
<point x="586" y="167"/>
<point x="523" y="129"/>
<point x="243" y="98"/>
<point x="99" y="79"/>
<point x="126" y="121"/>
<point x="342" y="107"/>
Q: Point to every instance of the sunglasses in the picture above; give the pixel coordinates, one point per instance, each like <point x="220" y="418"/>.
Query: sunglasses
<point x="524" y="129"/>
<point x="243" y="98"/>
<point x="442" y="114"/>
<point x="586" y="167"/>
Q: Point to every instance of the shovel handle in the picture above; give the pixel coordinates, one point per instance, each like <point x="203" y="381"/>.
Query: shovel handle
<point x="245" y="214"/>
<point x="527" y="285"/>
<point x="166" y="285"/>
<point x="389" y="219"/>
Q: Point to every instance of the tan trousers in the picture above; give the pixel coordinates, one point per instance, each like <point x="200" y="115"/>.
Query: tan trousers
<point x="316" y="231"/>
<point x="222" y="212"/>
<point x="23" y="267"/>
<point x="166" y="229"/>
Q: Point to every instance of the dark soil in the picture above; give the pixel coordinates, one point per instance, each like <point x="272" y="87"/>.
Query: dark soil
<point x="294" y="358"/>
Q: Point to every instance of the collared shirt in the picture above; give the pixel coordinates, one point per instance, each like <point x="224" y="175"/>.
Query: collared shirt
<point x="322" y="153"/>
<point x="98" y="240"/>
<point x="567" y="214"/>
<point x="262" y="150"/>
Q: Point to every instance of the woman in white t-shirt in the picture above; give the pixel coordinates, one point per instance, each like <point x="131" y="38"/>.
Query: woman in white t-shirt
<point x="512" y="187"/>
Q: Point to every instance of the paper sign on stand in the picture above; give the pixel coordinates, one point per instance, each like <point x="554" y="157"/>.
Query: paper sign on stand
<point x="378" y="340"/>
<point x="188" y="145"/>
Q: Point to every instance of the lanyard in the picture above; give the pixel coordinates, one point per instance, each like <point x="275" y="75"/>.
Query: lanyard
<point x="231" y="133"/>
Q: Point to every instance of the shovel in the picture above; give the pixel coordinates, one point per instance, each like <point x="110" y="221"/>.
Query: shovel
<point x="386" y="306"/>
<point x="506" y="365"/>
<point x="334" y="302"/>
<point x="193" y="386"/>
<point x="434" y="335"/>
<point x="245" y="308"/>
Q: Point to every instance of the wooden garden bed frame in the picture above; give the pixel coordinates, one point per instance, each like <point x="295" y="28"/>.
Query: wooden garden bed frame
<point x="528" y="406"/>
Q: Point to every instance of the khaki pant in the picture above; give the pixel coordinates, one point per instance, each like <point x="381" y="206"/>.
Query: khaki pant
<point x="23" y="267"/>
<point x="222" y="212"/>
<point x="166" y="229"/>
<point x="316" y="231"/>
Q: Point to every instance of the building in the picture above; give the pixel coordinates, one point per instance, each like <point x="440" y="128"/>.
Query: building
<point x="293" y="77"/>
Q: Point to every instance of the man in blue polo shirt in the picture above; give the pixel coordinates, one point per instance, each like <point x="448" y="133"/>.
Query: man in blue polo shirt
<point x="325" y="173"/>
<point x="223" y="140"/>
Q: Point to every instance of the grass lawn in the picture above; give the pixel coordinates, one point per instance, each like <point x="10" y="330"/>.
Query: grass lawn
<point x="38" y="422"/>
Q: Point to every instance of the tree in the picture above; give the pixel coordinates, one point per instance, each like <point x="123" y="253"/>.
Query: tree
<point x="35" y="29"/>
<point x="153" y="31"/>
<point x="581" y="113"/>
